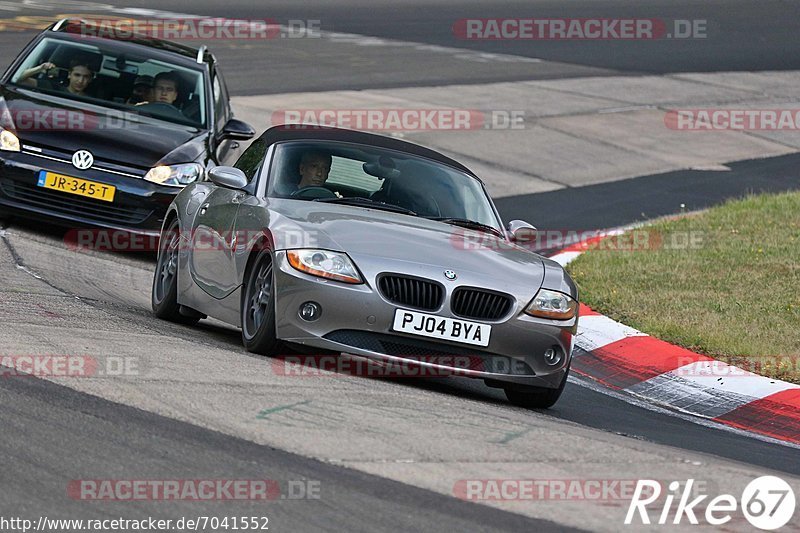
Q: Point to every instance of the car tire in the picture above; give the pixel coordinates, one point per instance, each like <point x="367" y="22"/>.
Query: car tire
<point x="258" y="306"/>
<point x="536" y="397"/>
<point x="164" y="295"/>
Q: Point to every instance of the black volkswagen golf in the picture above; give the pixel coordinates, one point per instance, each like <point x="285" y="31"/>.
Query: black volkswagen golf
<point x="103" y="131"/>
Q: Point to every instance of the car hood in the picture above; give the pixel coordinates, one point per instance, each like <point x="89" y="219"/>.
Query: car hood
<point x="111" y="135"/>
<point x="370" y="233"/>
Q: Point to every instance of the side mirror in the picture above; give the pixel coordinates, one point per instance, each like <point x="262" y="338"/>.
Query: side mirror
<point x="237" y="130"/>
<point x="229" y="177"/>
<point x="521" y="231"/>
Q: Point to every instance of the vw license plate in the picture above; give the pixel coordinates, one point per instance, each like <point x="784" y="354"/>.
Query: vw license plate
<point x="81" y="187"/>
<point x="441" y="327"/>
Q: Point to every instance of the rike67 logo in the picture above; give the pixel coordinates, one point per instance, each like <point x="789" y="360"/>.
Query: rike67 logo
<point x="767" y="502"/>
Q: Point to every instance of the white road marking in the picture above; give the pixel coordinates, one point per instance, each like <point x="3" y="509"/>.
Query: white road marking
<point x="596" y="331"/>
<point x="646" y="403"/>
<point x="724" y="377"/>
<point x="565" y="258"/>
<point x="361" y="40"/>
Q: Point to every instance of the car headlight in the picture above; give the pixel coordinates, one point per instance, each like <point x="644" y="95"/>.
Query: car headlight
<point x="552" y="304"/>
<point x="175" y="175"/>
<point x="8" y="141"/>
<point x="324" y="264"/>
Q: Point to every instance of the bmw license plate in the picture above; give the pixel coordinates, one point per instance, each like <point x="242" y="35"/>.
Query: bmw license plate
<point x="440" y="327"/>
<point x="81" y="187"/>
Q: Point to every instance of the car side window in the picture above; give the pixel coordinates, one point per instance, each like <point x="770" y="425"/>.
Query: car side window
<point x="221" y="109"/>
<point x="251" y="159"/>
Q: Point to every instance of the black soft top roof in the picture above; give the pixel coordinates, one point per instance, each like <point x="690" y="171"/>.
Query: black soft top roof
<point x="310" y="132"/>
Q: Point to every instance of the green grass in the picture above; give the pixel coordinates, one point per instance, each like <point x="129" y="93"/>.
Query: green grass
<point x="733" y="294"/>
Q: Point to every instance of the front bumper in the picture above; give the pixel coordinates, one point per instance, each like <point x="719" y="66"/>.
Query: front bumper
<point x="356" y="319"/>
<point x="138" y="207"/>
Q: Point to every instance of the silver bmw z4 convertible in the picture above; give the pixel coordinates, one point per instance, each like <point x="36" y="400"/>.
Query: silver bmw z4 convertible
<point x="345" y="242"/>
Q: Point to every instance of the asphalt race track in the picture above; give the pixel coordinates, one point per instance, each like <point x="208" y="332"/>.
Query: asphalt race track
<point x="386" y="455"/>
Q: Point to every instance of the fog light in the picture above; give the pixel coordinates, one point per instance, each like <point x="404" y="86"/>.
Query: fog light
<point x="552" y="356"/>
<point x="310" y="311"/>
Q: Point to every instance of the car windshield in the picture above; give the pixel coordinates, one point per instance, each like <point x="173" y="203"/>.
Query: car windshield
<point x="112" y="76"/>
<point x="375" y="178"/>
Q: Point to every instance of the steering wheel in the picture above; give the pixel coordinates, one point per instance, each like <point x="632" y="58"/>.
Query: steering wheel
<point x="313" y="193"/>
<point x="157" y="106"/>
<point x="161" y="110"/>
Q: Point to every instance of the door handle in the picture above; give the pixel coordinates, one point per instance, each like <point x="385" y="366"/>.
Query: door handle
<point x="234" y="145"/>
<point x="203" y="209"/>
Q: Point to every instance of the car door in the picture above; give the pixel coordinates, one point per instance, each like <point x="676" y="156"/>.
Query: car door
<point x="214" y="236"/>
<point x="213" y="241"/>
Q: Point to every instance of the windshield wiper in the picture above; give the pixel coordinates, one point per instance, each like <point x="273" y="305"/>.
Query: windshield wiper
<point x="366" y="202"/>
<point x="467" y="223"/>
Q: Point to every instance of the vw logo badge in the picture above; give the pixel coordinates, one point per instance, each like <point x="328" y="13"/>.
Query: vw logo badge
<point x="82" y="159"/>
<point x="449" y="274"/>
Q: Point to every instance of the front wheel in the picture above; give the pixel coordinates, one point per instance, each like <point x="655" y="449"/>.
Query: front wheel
<point x="258" y="307"/>
<point x="164" y="297"/>
<point x="536" y="397"/>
